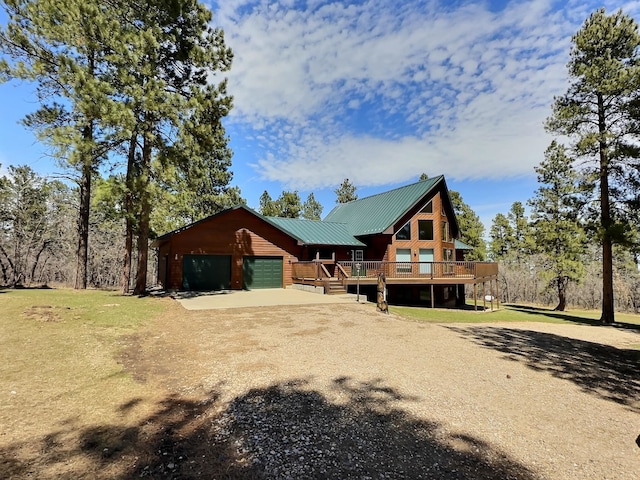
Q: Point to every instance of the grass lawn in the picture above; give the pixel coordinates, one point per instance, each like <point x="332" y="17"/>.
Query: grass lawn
<point x="514" y="313"/>
<point x="56" y="337"/>
<point x="60" y="370"/>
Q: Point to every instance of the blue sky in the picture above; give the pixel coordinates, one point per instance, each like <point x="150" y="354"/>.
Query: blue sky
<point x="379" y="92"/>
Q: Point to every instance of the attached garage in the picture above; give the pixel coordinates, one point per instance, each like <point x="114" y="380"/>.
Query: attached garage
<point x="240" y="249"/>
<point x="262" y="272"/>
<point x="206" y="272"/>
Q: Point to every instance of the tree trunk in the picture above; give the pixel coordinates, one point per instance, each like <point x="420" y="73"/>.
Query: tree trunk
<point x="562" y="295"/>
<point x="82" y="251"/>
<point x="145" y="207"/>
<point x="608" y="315"/>
<point x="126" y="264"/>
<point x="5" y="274"/>
<point x="128" y="204"/>
<point x="37" y="260"/>
<point x="3" y="267"/>
<point x="143" y="248"/>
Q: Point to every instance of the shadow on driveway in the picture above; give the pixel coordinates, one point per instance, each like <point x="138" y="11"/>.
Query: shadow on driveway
<point x="602" y="370"/>
<point x="283" y="431"/>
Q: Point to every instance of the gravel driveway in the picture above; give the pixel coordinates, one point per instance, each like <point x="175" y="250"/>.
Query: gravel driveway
<point x="341" y="391"/>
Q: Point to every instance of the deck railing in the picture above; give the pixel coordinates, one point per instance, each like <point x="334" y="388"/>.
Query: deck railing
<point x="371" y="269"/>
<point x="309" y="270"/>
<point x="315" y="270"/>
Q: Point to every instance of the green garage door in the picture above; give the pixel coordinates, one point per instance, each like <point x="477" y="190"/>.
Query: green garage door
<point x="262" y="272"/>
<point x="206" y="272"/>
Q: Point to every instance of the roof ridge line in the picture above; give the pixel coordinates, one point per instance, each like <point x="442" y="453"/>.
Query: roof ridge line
<point x="394" y="189"/>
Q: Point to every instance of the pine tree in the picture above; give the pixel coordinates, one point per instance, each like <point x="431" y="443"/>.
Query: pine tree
<point x="522" y="241"/>
<point x="558" y="233"/>
<point x="501" y="235"/>
<point x="311" y="209"/>
<point x="346" y="192"/>
<point x="289" y="205"/>
<point x="268" y="207"/>
<point x="599" y="113"/>
<point x="64" y="51"/>
<point x="138" y="79"/>
<point x="470" y="226"/>
<point x="164" y="69"/>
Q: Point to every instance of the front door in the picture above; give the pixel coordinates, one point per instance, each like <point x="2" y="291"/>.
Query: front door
<point x="426" y="255"/>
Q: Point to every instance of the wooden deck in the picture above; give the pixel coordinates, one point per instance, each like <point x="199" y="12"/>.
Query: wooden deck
<point x="332" y="276"/>
<point x="396" y="273"/>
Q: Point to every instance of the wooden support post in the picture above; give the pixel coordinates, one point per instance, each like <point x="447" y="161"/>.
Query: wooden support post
<point x="492" y="293"/>
<point x="475" y="297"/>
<point x="484" y="296"/>
<point x="433" y="300"/>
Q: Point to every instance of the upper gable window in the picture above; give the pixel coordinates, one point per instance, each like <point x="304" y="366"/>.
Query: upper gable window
<point x="405" y="232"/>
<point x="428" y="208"/>
<point x="425" y="229"/>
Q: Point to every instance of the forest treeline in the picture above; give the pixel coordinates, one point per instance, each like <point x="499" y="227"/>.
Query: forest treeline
<point x="39" y="237"/>
<point x="585" y="214"/>
<point x="532" y="272"/>
<point x="132" y="97"/>
<point x="129" y="87"/>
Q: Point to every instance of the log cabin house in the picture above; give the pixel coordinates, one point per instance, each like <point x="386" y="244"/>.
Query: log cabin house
<point x="409" y="234"/>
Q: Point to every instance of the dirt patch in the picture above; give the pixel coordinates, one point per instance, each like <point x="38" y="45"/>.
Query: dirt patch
<point x="44" y="313"/>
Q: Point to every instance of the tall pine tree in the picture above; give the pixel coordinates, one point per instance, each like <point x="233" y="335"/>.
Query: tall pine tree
<point x="165" y="68"/>
<point x="555" y="212"/>
<point x="471" y="227"/>
<point x="346" y="192"/>
<point x="599" y="113"/>
<point x="64" y="49"/>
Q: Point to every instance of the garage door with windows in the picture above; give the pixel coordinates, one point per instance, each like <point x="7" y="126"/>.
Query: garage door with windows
<point x="206" y="272"/>
<point x="262" y="272"/>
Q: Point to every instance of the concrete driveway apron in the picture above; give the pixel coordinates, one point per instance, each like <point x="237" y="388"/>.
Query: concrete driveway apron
<point x="257" y="298"/>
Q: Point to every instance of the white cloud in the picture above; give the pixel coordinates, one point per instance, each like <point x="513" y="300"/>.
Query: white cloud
<point x="460" y="90"/>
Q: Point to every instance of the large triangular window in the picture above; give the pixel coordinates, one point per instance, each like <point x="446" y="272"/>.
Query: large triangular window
<point x="405" y="232"/>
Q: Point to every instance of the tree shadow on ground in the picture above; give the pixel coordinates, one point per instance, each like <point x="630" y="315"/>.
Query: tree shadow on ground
<point x="283" y="431"/>
<point x="608" y="372"/>
<point x="570" y="318"/>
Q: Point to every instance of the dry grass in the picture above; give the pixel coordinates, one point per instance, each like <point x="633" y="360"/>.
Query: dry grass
<point x="514" y="313"/>
<point x="59" y="374"/>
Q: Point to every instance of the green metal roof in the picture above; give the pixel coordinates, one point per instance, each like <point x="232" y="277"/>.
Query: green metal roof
<point x="462" y="246"/>
<point x="316" y="232"/>
<point x="375" y="214"/>
<point x="365" y="216"/>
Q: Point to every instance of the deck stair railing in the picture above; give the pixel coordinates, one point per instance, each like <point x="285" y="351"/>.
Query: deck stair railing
<point x="313" y="270"/>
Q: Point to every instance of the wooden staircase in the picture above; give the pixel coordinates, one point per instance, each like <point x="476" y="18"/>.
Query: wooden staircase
<point x="334" y="287"/>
